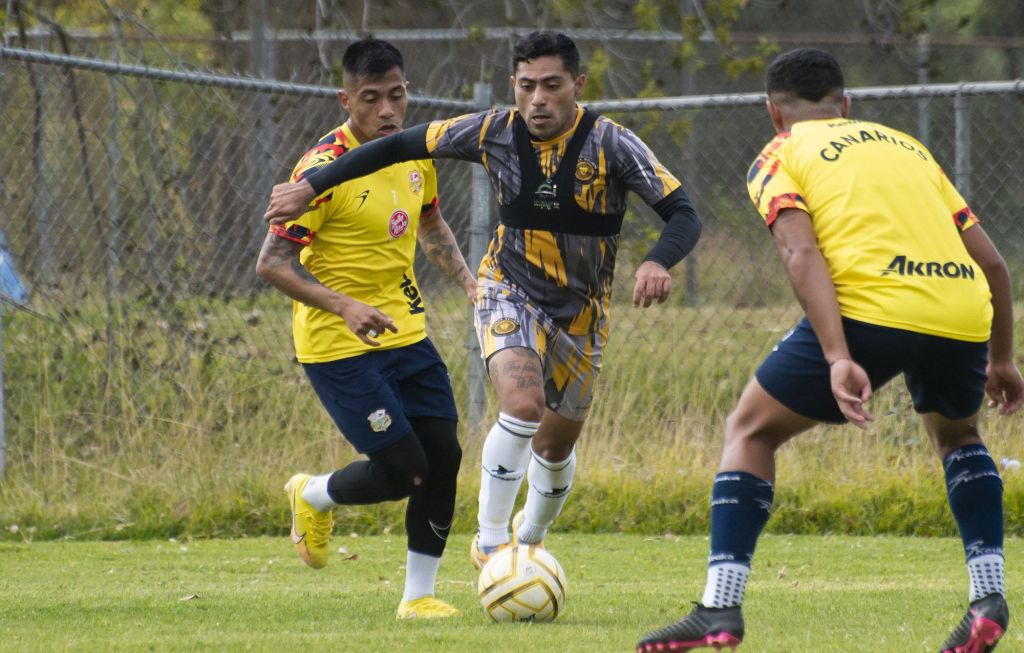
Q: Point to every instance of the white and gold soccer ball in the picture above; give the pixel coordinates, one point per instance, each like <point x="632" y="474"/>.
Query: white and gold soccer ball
<point x="522" y="583"/>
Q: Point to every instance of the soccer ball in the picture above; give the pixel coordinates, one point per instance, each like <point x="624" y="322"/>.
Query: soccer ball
<point x="522" y="583"/>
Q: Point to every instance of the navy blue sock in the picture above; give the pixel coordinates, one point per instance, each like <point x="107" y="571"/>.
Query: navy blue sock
<point x="740" y="506"/>
<point x="976" y="498"/>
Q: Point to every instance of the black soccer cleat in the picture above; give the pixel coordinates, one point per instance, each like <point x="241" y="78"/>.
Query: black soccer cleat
<point x="981" y="628"/>
<point x="716" y="627"/>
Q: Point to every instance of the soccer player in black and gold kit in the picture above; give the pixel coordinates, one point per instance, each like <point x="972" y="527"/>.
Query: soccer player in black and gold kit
<point x="358" y="323"/>
<point x="896" y="276"/>
<point x="561" y="175"/>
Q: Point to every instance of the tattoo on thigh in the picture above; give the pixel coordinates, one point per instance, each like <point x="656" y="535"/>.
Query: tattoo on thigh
<point x="524" y="372"/>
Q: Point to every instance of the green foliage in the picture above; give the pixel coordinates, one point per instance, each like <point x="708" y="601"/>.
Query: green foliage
<point x="180" y="17"/>
<point x="203" y="447"/>
<point x="597" y="66"/>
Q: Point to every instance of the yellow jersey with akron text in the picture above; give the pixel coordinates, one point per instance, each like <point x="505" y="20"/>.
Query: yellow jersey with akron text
<point x="360" y="240"/>
<point x="887" y="220"/>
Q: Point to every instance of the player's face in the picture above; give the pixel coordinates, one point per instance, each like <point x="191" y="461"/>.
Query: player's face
<point x="546" y="95"/>
<point x="376" y="105"/>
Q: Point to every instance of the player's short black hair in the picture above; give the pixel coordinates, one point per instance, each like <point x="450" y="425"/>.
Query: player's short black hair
<point x="371" y="57"/>
<point x="543" y="44"/>
<point x="806" y="73"/>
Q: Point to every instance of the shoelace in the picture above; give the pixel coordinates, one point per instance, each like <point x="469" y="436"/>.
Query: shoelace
<point x="320" y="531"/>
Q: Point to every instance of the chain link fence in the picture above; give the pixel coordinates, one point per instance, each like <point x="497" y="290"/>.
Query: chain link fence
<point x="131" y="202"/>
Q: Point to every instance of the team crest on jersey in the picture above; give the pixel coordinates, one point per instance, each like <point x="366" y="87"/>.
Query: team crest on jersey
<point x="415" y="182"/>
<point x="398" y="223"/>
<point x="585" y="171"/>
<point x="379" y="420"/>
<point x="504" y="327"/>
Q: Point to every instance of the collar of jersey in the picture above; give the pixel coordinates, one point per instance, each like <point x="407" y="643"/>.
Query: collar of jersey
<point x="353" y="141"/>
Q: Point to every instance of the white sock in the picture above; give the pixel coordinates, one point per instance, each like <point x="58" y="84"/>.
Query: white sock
<point x="550" y="483"/>
<point x="420" y="575"/>
<point x="725" y="586"/>
<point x="986" y="574"/>
<point x="504" y="459"/>
<point x="315" y="493"/>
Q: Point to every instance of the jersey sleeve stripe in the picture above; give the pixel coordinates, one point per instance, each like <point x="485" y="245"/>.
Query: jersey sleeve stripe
<point x="294" y="232"/>
<point x="965" y="219"/>
<point x="781" y="202"/>
<point x="429" y="209"/>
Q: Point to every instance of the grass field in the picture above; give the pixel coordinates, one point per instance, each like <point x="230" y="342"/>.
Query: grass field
<point x="830" y="594"/>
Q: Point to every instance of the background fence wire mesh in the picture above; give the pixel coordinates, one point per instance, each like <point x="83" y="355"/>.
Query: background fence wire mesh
<point x="132" y="207"/>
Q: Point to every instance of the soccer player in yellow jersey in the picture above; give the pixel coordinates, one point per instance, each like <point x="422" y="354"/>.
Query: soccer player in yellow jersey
<point x="359" y="331"/>
<point x="561" y="175"/>
<point x="896" y="276"/>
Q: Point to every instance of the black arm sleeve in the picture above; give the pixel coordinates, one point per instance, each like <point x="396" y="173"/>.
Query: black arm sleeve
<point x="406" y="145"/>
<point x="681" y="232"/>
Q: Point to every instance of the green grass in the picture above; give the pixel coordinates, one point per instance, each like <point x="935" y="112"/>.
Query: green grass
<point x="820" y="594"/>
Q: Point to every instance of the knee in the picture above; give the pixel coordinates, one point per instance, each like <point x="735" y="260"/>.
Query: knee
<point x="409" y="477"/>
<point x="527" y="406"/>
<point x="743" y="429"/>
<point x="553" y="452"/>
<point x="446" y="460"/>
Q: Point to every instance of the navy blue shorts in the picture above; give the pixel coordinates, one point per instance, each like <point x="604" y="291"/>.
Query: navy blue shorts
<point x="371" y="396"/>
<point x="944" y="376"/>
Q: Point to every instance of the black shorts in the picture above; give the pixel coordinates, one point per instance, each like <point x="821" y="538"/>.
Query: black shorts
<point x="944" y="376"/>
<point x="371" y="396"/>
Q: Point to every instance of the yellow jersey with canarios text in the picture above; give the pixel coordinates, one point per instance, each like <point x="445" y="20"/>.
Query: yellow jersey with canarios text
<point x="360" y="240"/>
<point x="887" y="220"/>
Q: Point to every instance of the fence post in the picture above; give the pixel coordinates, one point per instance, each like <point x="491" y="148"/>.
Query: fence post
<point x="3" y="396"/>
<point x="263" y="66"/>
<point x="689" y="179"/>
<point x="923" y="118"/>
<point x="113" y="269"/>
<point x="3" y="400"/>
<point x="479" y="228"/>
<point x="962" y="136"/>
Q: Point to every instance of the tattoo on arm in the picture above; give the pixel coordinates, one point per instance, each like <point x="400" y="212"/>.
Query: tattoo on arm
<point x="301" y="270"/>
<point x="280" y="252"/>
<point x="439" y="245"/>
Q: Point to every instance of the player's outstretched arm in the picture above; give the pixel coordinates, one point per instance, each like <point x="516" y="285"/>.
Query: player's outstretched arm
<point x="812" y="282"/>
<point x="678" y="238"/>
<point x="279" y="264"/>
<point x="289" y="201"/>
<point x="439" y="244"/>
<point x="1004" y="386"/>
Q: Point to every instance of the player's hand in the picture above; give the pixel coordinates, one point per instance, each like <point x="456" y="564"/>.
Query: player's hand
<point x="366" y="321"/>
<point x="1004" y="387"/>
<point x="851" y="388"/>
<point x="471" y="290"/>
<point x="652" y="282"/>
<point x="288" y="201"/>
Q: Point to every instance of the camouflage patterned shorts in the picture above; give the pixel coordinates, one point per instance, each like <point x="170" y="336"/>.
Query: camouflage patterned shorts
<point x="571" y="363"/>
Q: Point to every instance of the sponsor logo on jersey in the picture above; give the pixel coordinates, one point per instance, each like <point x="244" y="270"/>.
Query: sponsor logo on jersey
<point x="415" y="182"/>
<point x="504" y="327"/>
<point x="585" y="170"/>
<point x="379" y="420"/>
<point x="398" y="223"/>
<point x="545" y="197"/>
<point x="835" y="148"/>
<point x="362" y="198"/>
<point x="413" y="294"/>
<point x="906" y="267"/>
